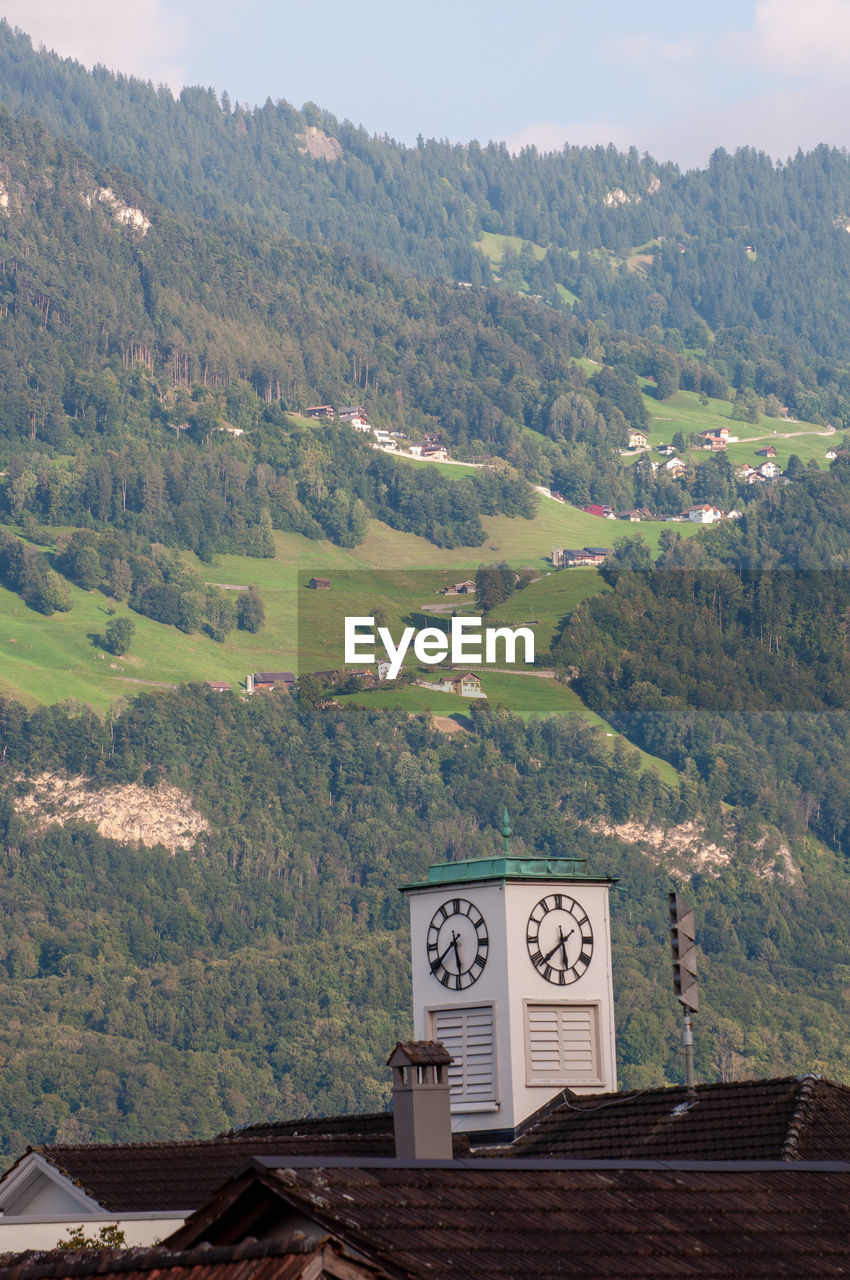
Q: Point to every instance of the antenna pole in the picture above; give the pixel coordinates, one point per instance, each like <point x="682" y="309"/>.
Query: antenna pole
<point x="688" y="1045"/>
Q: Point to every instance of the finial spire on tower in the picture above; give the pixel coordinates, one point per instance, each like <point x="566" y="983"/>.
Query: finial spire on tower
<point x="506" y="831"/>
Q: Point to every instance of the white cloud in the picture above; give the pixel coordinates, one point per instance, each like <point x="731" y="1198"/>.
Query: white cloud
<point x="646" y="48"/>
<point x="138" y="37"/>
<point x="794" y="38"/>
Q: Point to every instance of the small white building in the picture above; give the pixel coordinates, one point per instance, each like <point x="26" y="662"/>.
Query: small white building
<point x="703" y="513"/>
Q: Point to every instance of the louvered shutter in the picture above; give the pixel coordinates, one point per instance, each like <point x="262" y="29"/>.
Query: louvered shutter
<point x="561" y="1044"/>
<point x="469" y="1035"/>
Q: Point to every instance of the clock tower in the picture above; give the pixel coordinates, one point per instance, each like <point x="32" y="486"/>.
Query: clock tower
<point x="512" y="972"/>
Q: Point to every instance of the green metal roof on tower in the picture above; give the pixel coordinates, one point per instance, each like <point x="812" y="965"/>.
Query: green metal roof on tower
<point x="510" y="867"/>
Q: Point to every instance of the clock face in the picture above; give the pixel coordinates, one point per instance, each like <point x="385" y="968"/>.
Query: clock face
<point x="457" y="944"/>
<point x="560" y="939"/>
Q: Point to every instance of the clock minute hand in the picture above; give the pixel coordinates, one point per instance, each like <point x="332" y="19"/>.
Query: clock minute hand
<point x="435" y="964"/>
<point x="549" y="954"/>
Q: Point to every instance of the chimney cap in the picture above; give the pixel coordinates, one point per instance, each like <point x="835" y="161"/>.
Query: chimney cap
<point x="419" y="1053"/>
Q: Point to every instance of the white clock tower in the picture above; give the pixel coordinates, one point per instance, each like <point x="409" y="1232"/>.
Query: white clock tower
<point x="512" y="972"/>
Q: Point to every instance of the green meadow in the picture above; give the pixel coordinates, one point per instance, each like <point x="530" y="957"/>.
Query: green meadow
<point x="684" y="412"/>
<point x="493" y="244"/>
<point x="806" y="447"/>
<point x="51" y="659"/>
<point x="546" y="604"/>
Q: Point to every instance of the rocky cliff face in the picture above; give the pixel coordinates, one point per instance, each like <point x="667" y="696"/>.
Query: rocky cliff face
<point x="162" y="815"/>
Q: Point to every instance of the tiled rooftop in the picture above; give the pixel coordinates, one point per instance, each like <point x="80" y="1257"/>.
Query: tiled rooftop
<point x="788" y="1119"/>
<point x="163" y="1176"/>
<point x="509" y="1221"/>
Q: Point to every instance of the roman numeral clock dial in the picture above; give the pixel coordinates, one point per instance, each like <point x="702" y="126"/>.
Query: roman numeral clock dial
<point x="560" y="939"/>
<point x="457" y="944"/>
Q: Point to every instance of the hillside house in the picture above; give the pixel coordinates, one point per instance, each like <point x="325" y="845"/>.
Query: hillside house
<point x="767" y="452"/>
<point x="637" y="440"/>
<point x="351" y="411"/>
<point x="830" y="454"/>
<point x="569" y="557"/>
<point x="319" y="584"/>
<point x="219" y="686"/>
<point x="769" y="470"/>
<point x="717" y="439"/>
<point x="703" y="513"/>
<point x="467" y="685"/>
<point x="435" y="453"/>
<point x="465" y="588"/>
<point x="594" y="509"/>
<point x="674" y="467"/>
<point x="360" y="424"/>
<point x="321" y="412"/>
<point x="266" y="681"/>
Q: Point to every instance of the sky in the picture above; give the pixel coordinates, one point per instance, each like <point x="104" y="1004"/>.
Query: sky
<point x="675" y="79"/>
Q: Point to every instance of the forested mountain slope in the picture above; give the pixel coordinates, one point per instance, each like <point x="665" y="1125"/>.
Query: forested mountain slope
<point x="744" y="242"/>
<point x="137" y="341"/>
<point x="266" y="972"/>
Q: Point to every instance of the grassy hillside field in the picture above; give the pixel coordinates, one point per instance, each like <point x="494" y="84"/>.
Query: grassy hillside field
<point x="684" y="412"/>
<point x="50" y="659"/>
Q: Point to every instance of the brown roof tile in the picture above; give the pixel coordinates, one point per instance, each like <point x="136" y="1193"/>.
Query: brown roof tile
<point x="162" y="1176"/>
<point x="515" y="1220"/>
<point x="788" y="1119"/>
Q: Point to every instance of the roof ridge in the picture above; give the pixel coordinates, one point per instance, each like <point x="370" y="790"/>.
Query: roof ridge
<point x="799" y="1115"/>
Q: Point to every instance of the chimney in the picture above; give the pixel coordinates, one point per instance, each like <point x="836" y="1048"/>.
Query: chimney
<point x="421" y="1113"/>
